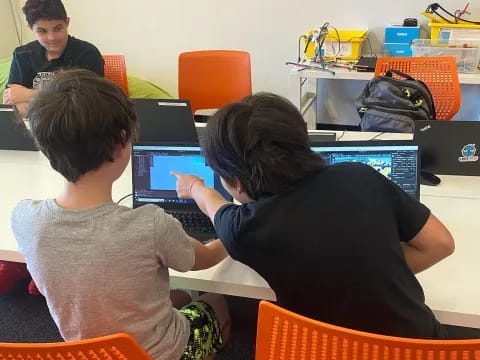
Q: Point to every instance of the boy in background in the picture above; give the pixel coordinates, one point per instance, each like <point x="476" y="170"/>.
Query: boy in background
<point x="103" y="267"/>
<point x="338" y="243"/>
<point x="34" y="63"/>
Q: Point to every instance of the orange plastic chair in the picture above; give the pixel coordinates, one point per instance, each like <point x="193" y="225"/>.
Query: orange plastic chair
<point x="116" y="70"/>
<point x="282" y="334"/>
<point x="439" y="73"/>
<point x="114" y="347"/>
<point x="213" y="78"/>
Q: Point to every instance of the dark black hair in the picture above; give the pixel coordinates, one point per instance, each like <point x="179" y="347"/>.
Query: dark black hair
<point x="262" y="142"/>
<point x="78" y="118"/>
<point x="44" y="9"/>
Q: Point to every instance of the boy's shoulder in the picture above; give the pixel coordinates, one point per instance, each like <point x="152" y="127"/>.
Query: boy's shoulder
<point x="77" y="44"/>
<point x="28" y="205"/>
<point x="28" y="49"/>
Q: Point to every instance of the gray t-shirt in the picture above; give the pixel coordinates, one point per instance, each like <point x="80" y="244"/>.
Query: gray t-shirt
<point x="105" y="270"/>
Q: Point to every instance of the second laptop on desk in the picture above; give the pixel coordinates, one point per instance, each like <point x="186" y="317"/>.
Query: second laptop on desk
<point x="396" y="160"/>
<point x="14" y="135"/>
<point x="449" y="147"/>
<point x="167" y="120"/>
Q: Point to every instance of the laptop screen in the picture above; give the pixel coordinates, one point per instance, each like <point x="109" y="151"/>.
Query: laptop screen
<point x="152" y="181"/>
<point x="165" y="120"/>
<point x="398" y="161"/>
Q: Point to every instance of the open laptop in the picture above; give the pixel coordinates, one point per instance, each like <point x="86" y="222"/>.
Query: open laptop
<point x="14" y="135"/>
<point x="397" y="160"/>
<point x="315" y="137"/>
<point x="449" y="147"/>
<point x="153" y="183"/>
<point x="169" y="120"/>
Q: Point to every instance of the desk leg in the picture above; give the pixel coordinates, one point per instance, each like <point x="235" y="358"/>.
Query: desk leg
<point x="306" y="103"/>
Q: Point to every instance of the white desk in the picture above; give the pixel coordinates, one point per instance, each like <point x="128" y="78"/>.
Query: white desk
<point x="450" y="286"/>
<point x="321" y="90"/>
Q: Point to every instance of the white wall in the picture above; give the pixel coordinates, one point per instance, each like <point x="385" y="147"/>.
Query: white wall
<point x="8" y="37"/>
<point x="151" y="33"/>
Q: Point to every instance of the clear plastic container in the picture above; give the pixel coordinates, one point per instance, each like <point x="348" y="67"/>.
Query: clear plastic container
<point x="467" y="54"/>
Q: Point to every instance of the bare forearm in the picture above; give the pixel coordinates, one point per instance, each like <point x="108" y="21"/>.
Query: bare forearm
<point x="417" y="260"/>
<point x="208" y="255"/>
<point x="432" y="244"/>
<point x="207" y="199"/>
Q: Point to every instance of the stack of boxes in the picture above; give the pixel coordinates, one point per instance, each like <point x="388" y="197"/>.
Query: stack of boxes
<point x="398" y="38"/>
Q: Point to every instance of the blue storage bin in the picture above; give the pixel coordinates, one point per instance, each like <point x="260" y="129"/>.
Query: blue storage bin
<point x="401" y="34"/>
<point x="398" y="49"/>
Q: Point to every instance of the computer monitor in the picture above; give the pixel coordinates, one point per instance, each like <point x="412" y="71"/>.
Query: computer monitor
<point x="397" y="160"/>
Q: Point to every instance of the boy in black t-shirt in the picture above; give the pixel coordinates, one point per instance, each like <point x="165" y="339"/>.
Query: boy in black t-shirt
<point x="338" y="243"/>
<point x="35" y="62"/>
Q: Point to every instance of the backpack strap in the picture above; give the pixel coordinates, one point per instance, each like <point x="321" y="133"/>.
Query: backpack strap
<point x="431" y="103"/>
<point x="390" y="72"/>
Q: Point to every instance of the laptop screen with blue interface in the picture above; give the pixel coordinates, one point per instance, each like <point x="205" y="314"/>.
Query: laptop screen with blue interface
<point x="152" y="181"/>
<point x="398" y="161"/>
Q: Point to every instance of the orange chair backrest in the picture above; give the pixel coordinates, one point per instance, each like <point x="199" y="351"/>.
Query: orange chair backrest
<point x="115" y="347"/>
<point x="439" y="73"/>
<point x="213" y="78"/>
<point x="282" y="334"/>
<point x="116" y="70"/>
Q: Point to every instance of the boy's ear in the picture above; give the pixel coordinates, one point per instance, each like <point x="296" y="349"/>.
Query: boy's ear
<point x="123" y="134"/>
<point x="239" y="187"/>
<point x="67" y="21"/>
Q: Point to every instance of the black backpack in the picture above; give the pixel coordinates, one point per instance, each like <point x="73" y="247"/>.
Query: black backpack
<point x="392" y="105"/>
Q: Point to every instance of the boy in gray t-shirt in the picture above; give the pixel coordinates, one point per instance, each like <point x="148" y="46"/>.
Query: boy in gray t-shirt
<point x="103" y="267"/>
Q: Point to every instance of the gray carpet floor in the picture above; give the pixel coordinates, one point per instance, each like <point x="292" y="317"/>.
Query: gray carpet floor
<point x="25" y="318"/>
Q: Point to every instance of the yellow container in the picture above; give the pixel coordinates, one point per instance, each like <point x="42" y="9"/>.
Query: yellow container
<point x="456" y="32"/>
<point x="350" y="45"/>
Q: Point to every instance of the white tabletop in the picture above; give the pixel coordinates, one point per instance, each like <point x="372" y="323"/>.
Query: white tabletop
<point x="345" y="74"/>
<point x="449" y="286"/>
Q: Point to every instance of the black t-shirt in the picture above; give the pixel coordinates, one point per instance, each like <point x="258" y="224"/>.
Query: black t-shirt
<point x="30" y="66"/>
<point x="330" y="248"/>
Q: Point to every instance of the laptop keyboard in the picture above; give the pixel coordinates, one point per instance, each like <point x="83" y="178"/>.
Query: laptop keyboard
<point x="194" y="221"/>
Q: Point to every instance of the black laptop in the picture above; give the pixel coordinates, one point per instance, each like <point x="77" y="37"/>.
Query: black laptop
<point x="14" y="135"/>
<point x="397" y="160"/>
<point x="165" y="120"/>
<point x="449" y="147"/>
<point x="315" y="137"/>
<point x="153" y="183"/>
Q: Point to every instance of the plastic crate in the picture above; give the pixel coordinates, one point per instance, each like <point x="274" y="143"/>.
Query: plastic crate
<point x="350" y="45"/>
<point x="467" y="56"/>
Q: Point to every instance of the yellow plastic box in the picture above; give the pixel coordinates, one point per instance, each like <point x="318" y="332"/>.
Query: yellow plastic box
<point x="455" y="32"/>
<point x="350" y="45"/>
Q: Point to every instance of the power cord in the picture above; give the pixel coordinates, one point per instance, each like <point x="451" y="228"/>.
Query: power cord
<point x="432" y="9"/>
<point x="376" y="136"/>
<point x="123" y="198"/>
<point x="16" y="22"/>
<point x="341" y="136"/>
